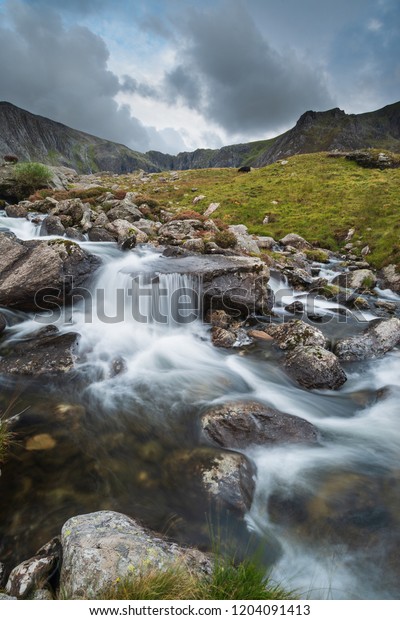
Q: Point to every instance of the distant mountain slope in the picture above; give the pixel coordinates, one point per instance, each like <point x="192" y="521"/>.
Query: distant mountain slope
<point x="36" y="138"/>
<point x="33" y="137"/>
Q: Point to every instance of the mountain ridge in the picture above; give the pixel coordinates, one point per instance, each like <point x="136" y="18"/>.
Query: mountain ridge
<point x="33" y="137"/>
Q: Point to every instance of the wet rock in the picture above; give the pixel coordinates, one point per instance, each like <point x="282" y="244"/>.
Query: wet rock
<point x="391" y="278"/>
<point x="260" y="335"/>
<point x="34" y="270"/>
<point x="46" y="352"/>
<point x="389" y="306"/>
<point x="297" y="307"/>
<point x="314" y="367"/>
<point x="294" y="333"/>
<point x="3" y="575"/>
<point x="35" y="572"/>
<point x="222" y="337"/>
<point x="299" y="278"/>
<point x="378" y="339"/>
<point x="52" y="225"/>
<point x="42" y="441"/>
<point x="219" y="318"/>
<point x="358" y="280"/>
<point x="101" y="548"/>
<point x="244" y="242"/>
<point x="242" y="424"/>
<point x="204" y="475"/>
<point x="5" y="597"/>
<point x="149" y="227"/>
<point x="43" y="594"/>
<point x="75" y="235"/>
<point x="129" y="243"/>
<point x="100" y="234"/>
<point x="3" y="323"/>
<point x="16" y="211"/>
<point x="295" y="241"/>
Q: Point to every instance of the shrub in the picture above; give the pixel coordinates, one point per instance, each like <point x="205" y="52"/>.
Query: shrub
<point x="31" y="176"/>
<point x="188" y="215"/>
<point x="225" y="239"/>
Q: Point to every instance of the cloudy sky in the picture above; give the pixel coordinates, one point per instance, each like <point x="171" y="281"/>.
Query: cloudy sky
<point x="176" y="75"/>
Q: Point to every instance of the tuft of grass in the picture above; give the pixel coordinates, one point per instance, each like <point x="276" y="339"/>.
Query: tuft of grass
<point x="225" y="239"/>
<point x="246" y="581"/>
<point x="5" y="440"/>
<point x="30" y="176"/>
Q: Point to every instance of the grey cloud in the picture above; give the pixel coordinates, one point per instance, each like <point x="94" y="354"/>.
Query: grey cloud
<point x="232" y="75"/>
<point x="130" y="85"/>
<point x="62" y="74"/>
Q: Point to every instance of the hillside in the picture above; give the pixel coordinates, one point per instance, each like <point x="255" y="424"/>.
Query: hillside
<point x="313" y="195"/>
<point x="36" y="138"/>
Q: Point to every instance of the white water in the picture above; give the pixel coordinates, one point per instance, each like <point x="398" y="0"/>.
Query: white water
<point x="170" y="365"/>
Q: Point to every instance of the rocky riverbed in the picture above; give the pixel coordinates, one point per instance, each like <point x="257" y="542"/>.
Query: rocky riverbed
<point x="188" y="374"/>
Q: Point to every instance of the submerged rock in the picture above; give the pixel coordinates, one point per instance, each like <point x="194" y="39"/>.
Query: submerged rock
<point x="46" y="352"/>
<point x="378" y="339"/>
<point x="101" y="548"/>
<point x="314" y="367"/>
<point x="241" y="424"/>
<point x="33" y="271"/>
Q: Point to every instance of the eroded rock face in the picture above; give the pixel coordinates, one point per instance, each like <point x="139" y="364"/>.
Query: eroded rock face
<point x="314" y="367"/>
<point x="378" y="339"/>
<point x="46" y="352"/>
<point x="295" y="333"/>
<point x="101" y="547"/>
<point x="32" y="270"/>
<point x="239" y="425"/>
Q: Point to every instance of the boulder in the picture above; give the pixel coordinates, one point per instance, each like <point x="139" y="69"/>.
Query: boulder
<point x="379" y="338"/>
<point x="130" y="213"/>
<point x="100" y="234"/>
<point x="33" y="270"/>
<point x="213" y="206"/>
<point x="122" y="230"/>
<point x="52" y="225"/>
<point x="294" y="333"/>
<point x="358" y="280"/>
<point x="221" y="337"/>
<point x="244" y="242"/>
<point x="35" y="572"/>
<point x="295" y="241"/>
<point x="238" y="425"/>
<point x="177" y="231"/>
<point x="266" y="243"/>
<point x="219" y="318"/>
<point x="194" y="245"/>
<point x="314" y="367"/>
<point x="75" y="235"/>
<point x="46" y="352"/>
<point x="16" y="211"/>
<point x="390" y="277"/>
<point x="299" y="278"/>
<point x="101" y="548"/>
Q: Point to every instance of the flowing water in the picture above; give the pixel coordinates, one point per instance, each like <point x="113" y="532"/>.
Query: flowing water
<point x="326" y="517"/>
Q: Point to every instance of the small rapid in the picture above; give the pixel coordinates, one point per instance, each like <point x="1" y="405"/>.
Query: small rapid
<point x="146" y="362"/>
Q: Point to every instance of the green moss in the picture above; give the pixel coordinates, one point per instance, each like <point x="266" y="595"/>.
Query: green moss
<point x="318" y="255"/>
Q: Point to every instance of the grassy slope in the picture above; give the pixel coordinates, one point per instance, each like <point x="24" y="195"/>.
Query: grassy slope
<point x="317" y="197"/>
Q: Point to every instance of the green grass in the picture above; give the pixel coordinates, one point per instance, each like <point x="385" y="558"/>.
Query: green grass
<point x="315" y="196"/>
<point x="228" y="582"/>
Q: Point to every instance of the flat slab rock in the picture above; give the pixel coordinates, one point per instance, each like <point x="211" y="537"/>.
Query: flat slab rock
<point x="242" y="424"/>
<point x="101" y="547"/>
<point x="46" y="352"/>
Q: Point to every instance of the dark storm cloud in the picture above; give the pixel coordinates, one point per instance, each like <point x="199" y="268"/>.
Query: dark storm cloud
<point x="62" y="73"/>
<point x="232" y="75"/>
